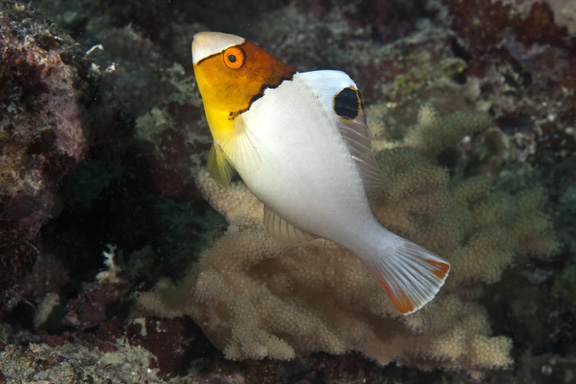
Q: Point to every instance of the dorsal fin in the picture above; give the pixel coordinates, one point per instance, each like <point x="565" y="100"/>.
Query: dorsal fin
<point x="355" y="133"/>
<point x="283" y="231"/>
<point x="341" y="100"/>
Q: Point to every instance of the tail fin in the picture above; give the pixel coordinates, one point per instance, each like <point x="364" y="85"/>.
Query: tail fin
<point x="410" y="275"/>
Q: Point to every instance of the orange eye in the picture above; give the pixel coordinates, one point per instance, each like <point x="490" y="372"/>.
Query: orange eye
<point x="234" y="57"/>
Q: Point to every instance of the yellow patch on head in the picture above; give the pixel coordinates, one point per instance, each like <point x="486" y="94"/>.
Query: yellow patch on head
<point x="231" y="79"/>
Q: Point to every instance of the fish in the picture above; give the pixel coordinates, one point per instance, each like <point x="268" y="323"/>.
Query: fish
<point x="300" y="143"/>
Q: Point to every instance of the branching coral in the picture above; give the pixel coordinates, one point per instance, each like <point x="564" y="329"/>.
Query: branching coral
<point x="255" y="298"/>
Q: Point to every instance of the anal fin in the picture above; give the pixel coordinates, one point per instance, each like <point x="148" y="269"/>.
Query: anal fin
<point x="283" y="231"/>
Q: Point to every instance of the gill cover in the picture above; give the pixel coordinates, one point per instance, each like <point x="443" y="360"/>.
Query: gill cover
<point x="231" y="74"/>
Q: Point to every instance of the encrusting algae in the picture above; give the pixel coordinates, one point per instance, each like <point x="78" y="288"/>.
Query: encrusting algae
<point x="256" y="298"/>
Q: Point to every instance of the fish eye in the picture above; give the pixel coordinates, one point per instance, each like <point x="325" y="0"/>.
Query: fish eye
<point x="234" y="57"/>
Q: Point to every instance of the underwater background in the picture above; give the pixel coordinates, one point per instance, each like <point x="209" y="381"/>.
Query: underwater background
<point x="122" y="261"/>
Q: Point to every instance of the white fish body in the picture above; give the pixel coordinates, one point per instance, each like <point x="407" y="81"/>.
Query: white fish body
<point x="306" y="173"/>
<point x="302" y="147"/>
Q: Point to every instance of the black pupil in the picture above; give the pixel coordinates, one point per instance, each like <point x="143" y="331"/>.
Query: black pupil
<point x="232" y="58"/>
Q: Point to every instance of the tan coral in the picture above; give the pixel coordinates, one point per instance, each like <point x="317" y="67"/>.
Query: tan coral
<point x="434" y="133"/>
<point x="255" y="298"/>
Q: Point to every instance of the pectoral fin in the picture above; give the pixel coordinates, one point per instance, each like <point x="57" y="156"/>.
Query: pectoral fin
<point x="244" y="148"/>
<point x="283" y="231"/>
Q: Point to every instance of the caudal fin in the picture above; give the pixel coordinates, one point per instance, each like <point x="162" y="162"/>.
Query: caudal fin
<point x="410" y="275"/>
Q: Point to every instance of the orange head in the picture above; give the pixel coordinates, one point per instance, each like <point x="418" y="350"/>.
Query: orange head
<point x="232" y="72"/>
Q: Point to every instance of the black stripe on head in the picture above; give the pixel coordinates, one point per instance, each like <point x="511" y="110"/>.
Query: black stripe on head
<point x="260" y="93"/>
<point x="347" y="103"/>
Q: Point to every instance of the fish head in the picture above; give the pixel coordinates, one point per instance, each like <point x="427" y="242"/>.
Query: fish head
<point x="231" y="72"/>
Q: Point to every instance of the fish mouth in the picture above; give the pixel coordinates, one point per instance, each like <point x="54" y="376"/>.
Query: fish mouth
<point x="206" y="44"/>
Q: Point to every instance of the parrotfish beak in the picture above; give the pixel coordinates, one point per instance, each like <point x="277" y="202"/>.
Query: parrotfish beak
<point x="205" y="44"/>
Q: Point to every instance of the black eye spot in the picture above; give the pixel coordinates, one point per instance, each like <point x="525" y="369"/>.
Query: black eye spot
<point x="232" y="58"/>
<point x="347" y="104"/>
